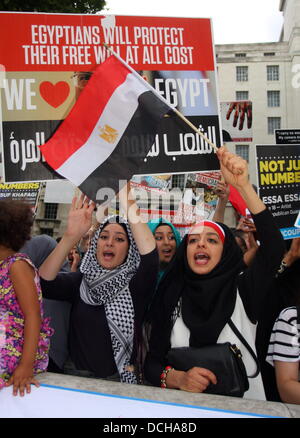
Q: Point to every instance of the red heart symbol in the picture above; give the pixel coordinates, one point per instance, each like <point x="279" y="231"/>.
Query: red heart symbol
<point x="54" y="94"/>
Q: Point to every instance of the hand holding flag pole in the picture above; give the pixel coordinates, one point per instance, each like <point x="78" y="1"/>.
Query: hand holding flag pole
<point x="179" y="114"/>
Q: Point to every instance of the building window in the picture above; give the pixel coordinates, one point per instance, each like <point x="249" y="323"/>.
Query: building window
<point x="50" y="210"/>
<point x="273" y="123"/>
<point x="269" y="54"/>
<point x="273" y="72"/>
<point x="178" y="181"/>
<point x="273" y="98"/>
<point x="242" y="95"/>
<point x="242" y="74"/>
<point x="240" y="55"/>
<point x="243" y="151"/>
<point x="48" y="231"/>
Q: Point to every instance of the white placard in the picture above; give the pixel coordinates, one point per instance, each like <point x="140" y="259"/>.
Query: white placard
<point x="56" y="402"/>
<point x="59" y="192"/>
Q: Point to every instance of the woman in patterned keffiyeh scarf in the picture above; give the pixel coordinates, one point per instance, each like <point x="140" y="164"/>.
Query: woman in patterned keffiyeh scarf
<point x="108" y="293"/>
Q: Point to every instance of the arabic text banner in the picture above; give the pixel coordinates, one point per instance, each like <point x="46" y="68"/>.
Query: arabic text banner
<point x="48" y="58"/>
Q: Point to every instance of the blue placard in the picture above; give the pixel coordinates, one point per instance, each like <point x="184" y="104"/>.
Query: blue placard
<point x="297" y="222"/>
<point x="290" y="233"/>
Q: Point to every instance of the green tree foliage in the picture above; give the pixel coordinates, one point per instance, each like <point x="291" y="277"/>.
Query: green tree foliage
<point x="54" y="6"/>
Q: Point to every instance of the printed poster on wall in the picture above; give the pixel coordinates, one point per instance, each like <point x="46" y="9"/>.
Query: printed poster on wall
<point x="278" y="170"/>
<point x="237" y="121"/>
<point x="46" y="60"/>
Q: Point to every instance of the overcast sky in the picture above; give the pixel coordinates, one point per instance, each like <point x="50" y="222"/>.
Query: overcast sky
<point x="234" y="21"/>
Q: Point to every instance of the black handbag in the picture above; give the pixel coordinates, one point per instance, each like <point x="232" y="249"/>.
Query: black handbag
<point x="224" y="360"/>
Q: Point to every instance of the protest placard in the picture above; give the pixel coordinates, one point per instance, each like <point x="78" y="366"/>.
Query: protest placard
<point x="49" y="57"/>
<point x="27" y="192"/>
<point x="278" y="169"/>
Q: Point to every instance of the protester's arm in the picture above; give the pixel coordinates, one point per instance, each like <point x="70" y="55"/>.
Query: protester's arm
<point x="249" y="232"/>
<point x="22" y="276"/>
<point x="252" y="247"/>
<point x="287" y="375"/>
<point x="194" y="380"/>
<point x="256" y="280"/>
<point x="63" y="288"/>
<point x="141" y="291"/>
<point x="235" y="172"/>
<point x="293" y="253"/>
<point x="223" y="194"/>
<point x="141" y="232"/>
<point x="79" y="222"/>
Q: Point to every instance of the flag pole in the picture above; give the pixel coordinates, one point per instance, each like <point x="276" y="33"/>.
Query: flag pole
<point x="161" y="98"/>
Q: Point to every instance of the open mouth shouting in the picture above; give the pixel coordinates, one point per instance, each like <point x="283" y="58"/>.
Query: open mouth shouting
<point x="201" y="258"/>
<point x="167" y="252"/>
<point x="112" y="246"/>
<point x="108" y="256"/>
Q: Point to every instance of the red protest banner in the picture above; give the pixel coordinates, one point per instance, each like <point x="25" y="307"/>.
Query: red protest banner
<point x="52" y="42"/>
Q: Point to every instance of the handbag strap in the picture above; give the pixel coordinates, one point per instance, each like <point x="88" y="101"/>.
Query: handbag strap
<point x="243" y="340"/>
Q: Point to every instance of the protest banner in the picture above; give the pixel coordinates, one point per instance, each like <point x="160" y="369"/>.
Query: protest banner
<point x="27" y="192"/>
<point x="278" y="170"/>
<point x="49" y="57"/>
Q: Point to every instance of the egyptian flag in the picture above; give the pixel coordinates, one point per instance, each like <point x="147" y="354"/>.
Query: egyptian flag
<point x="108" y="132"/>
<point x="237" y="201"/>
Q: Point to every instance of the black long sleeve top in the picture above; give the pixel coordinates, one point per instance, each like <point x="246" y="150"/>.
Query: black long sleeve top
<point x="253" y="285"/>
<point x="89" y="336"/>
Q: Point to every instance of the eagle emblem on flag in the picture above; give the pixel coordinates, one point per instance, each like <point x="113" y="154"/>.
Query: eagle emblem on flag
<point x="108" y="134"/>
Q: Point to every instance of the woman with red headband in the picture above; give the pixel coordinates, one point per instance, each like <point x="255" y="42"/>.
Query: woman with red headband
<point x="208" y="284"/>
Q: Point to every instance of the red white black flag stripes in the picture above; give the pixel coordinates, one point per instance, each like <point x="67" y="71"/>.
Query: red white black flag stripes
<point x="108" y="132"/>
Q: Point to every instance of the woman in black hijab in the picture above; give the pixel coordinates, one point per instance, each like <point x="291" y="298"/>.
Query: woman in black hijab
<point x="207" y="284"/>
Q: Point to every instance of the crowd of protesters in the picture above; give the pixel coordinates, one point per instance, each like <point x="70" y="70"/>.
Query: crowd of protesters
<point x="103" y="284"/>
